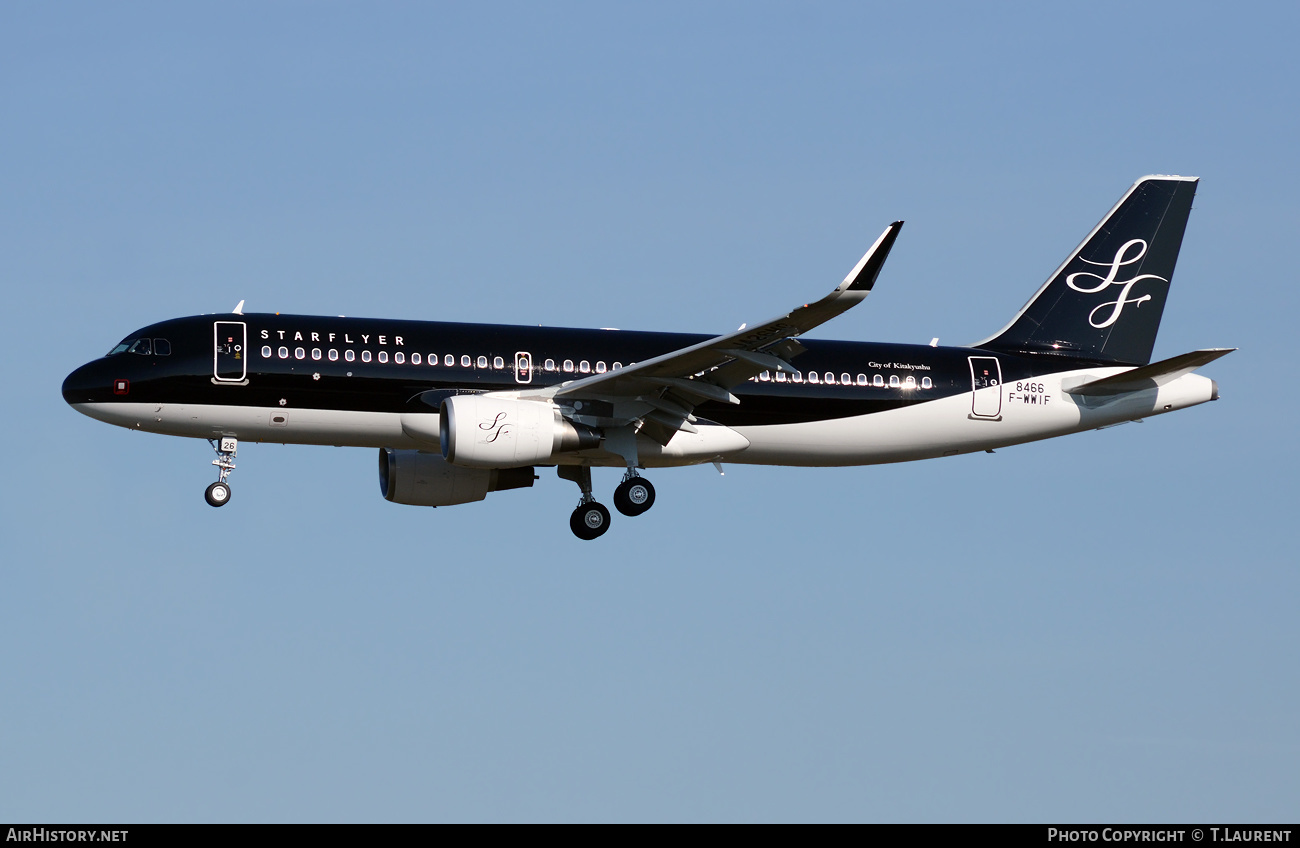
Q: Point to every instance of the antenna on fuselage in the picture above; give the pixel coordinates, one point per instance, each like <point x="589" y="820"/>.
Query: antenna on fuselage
<point x="239" y="308"/>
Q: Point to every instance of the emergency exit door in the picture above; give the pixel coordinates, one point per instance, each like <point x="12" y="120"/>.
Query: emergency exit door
<point x="523" y="367"/>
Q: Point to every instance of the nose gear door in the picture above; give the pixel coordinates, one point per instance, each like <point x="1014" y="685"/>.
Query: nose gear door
<point x="230" y="353"/>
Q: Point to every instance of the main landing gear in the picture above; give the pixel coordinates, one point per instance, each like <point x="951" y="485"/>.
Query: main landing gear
<point x="634" y="495"/>
<point x="218" y="494"/>
<point x="590" y="520"/>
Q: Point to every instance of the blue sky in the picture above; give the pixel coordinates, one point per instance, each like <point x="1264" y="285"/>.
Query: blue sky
<point x="1094" y="628"/>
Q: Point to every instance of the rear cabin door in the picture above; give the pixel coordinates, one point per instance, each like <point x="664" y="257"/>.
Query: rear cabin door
<point x="230" y="354"/>
<point x="986" y="388"/>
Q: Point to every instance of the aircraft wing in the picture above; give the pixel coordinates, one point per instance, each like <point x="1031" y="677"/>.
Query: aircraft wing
<point x="660" y="393"/>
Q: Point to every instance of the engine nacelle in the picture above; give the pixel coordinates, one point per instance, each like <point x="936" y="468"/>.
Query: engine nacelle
<point x="481" y="431"/>
<point x="426" y="479"/>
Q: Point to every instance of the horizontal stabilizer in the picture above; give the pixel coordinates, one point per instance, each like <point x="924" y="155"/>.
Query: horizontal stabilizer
<point x="1149" y="376"/>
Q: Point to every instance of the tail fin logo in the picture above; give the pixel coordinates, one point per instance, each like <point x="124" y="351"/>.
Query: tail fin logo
<point x="1122" y="258"/>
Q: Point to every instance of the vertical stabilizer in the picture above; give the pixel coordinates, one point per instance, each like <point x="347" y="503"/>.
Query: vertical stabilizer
<point x="1105" y="302"/>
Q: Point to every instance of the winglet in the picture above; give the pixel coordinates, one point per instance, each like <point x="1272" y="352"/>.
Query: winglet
<point x="863" y="276"/>
<point x="239" y="308"/>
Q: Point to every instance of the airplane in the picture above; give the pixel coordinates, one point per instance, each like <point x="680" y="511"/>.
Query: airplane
<point x="459" y="410"/>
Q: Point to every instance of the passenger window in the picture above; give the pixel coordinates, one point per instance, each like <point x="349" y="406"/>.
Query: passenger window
<point x="162" y="347"/>
<point x="765" y="377"/>
<point x="383" y="356"/>
<point x="415" y="359"/>
<point x="600" y="367"/>
<point x="568" y="366"/>
<point x="498" y="362"/>
<point x="465" y="361"/>
<point x="284" y="353"/>
<point x="482" y="362"/>
<point x="797" y="377"/>
<point x="349" y="355"/>
<point x="315" y="354"/>
<point x="812" y="378"/>
<point x="878" y="381"/>
<point x="862" y="379"/>
<point x="400" y="357"/>
<point x="334" y="355"/>
<point x="449" y="360"/>
<point x="616" y="366"/>
<point x="141" y="347"/>
<point x="925" y="383"/>
<point x="549" y="365"/>
<point x="846" y="380"/>
<point x="266" y="352"/>
<point x="910" y="382"/>
<point x="781" y="377"/>
<point x="893" y="381"/>
<point x="584" y="366"/>
<point x="299" y="353"/>
<point x="829" y="378"/>
<point x="365" y="356"/>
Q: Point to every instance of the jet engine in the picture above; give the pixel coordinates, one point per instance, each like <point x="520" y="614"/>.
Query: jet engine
<point x="426" y="479"/>
<point x="481" y="431"/>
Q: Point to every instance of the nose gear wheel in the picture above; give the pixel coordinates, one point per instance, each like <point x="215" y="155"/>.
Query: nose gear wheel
<point x="217" y="494"/>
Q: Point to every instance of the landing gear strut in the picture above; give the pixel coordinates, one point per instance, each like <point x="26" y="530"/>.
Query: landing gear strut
<point x="591" y="519"/>
<point x="634" y="495"/>
<point x="218" y="494"/>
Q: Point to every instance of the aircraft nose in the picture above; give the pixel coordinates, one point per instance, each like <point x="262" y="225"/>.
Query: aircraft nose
<point x="86" y="384"/>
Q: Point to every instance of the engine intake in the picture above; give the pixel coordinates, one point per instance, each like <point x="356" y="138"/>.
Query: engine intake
<point x="426" y="479"/>
<point x="481" y="431"/>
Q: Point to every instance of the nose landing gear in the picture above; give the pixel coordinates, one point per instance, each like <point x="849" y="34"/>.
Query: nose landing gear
<point x="218" y="494"/>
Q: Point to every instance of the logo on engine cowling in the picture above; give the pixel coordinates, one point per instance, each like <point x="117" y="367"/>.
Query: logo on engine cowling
<point x="497" y="428"/>
<point x="1116" y="306"/>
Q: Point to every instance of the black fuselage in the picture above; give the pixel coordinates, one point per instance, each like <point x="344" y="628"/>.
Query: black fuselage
<point x="373" y="365"/>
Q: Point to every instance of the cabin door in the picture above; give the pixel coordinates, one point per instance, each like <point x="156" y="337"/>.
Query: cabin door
<point x="230" y="351"/>
<point x="986" y="388"/>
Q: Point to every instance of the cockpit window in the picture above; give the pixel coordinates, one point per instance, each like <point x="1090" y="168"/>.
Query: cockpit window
<point x="162" y="347"/>
<point x="142" y="347"/>
<point x="118" y="348"/>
